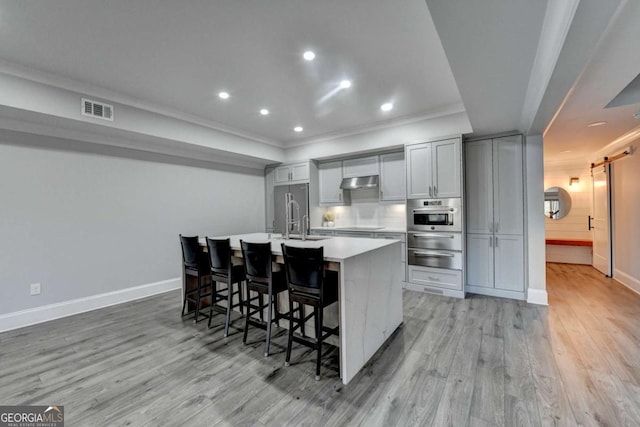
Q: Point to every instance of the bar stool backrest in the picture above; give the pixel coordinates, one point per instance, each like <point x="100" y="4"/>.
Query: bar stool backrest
<point x="191" y="252"/>
<point x="304" y="269"/>
<point x="219" y="255"/>
<point x="257" y="261"/>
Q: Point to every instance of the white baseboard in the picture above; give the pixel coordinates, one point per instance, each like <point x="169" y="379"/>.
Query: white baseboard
<point x="537" y="296"/>
<point x="45" y="313"/>
<point x="627" y="280"/>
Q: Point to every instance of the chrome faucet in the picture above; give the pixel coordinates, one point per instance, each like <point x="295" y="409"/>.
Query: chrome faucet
<point x="289" y="201"/>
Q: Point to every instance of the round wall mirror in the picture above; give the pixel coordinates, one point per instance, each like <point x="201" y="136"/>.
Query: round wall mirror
<point x="557" y="203"/>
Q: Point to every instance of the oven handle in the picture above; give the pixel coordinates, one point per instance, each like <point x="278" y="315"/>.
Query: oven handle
<point x="434" y="210"/>
<point x="436" y="254"/>
<point x="435" y="236"/>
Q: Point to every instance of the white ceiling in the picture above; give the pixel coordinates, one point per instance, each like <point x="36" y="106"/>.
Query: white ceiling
<point x="613" y="64"/>
<point x="514" y="64"/>
<point x="179" y="55"/>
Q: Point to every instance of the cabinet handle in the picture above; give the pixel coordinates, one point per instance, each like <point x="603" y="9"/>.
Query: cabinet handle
<point x="496" y="241"/>
<point x="490" y="241"/>
<point x="340" y="196"/>
<point x="434" y="254"/>
<point x="430" y="192"/>
<point x="433" y="279"/>
<point x="435" y="191"/>
<point x="497" y="226"/>
<point x="491" y="226"/>
<point x="434" y="236"/>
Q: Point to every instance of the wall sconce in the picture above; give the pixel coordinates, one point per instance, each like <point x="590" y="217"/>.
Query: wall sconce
<point x="574" y="180"/>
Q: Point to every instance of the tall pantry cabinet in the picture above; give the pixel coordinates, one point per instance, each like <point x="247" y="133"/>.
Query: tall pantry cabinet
<point x="494" y="177"/>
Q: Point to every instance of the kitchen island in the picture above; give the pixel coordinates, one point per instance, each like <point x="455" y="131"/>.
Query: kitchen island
<point x="369" y="307"/>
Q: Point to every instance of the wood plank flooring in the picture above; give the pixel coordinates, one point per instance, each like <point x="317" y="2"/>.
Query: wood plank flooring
<point x="480" y="361"/>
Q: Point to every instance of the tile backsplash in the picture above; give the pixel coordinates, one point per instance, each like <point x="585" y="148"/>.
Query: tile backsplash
<point x="369" y="214"/>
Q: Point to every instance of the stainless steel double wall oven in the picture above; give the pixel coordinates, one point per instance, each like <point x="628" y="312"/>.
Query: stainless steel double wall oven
<point x="434" y="237"/>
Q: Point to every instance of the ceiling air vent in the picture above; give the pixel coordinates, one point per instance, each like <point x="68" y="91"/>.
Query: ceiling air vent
<point x="98" y="110"/>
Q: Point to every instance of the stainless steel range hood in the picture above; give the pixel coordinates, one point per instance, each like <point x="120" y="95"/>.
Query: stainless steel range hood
<point x="370" y="181"/>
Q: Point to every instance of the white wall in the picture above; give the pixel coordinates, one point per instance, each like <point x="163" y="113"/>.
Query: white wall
<point x="536" y="271"/>
<point x="626" y="211"/>
<point x="83" y="224"/>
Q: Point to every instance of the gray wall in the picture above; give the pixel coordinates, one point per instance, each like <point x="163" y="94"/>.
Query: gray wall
<point x="85" y="223"/>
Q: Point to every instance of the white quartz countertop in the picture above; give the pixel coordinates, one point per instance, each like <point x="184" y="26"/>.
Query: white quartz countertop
<point x="335" y="248"/>
<point x="363" y="229"/>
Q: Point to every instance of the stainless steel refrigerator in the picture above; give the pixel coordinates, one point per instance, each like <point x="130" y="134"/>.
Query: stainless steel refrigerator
<point x="300" y="194"/>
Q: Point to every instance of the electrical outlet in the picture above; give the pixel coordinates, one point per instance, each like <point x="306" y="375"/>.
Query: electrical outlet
<point x="36" y="288"/>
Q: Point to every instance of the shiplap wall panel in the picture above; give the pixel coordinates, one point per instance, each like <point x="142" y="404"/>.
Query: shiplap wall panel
<point x="575" y="224"/>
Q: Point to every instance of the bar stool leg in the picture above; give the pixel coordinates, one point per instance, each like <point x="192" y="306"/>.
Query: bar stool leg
<point x="269" y="318"/>
<point x="240" y="297"/>
<point x="199" y="291"/>
<point x="184" y="295"/>
<point x="229" y="304"/>
<point x="318" y="315"/>
<point x="275" y="307"/>
<point x="290" y="339"/>
<point x="261" y="301"/>
<point x="246" y="321"/>
<point x="301" y="309"/>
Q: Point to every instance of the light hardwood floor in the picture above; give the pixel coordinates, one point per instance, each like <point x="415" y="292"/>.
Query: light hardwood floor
<point x="480" y="361"/>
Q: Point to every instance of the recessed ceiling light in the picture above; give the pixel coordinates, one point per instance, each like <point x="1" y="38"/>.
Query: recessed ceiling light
<point x="345" y="84"/>
<point x="387" y="106"/>
<point x="264" y="112"/>
<point x="566" y="151"/>
<point x="594" y="124"/>
<point x="309" y="55"/>
<point x="298" y="129"/>
<point x="223" y="95"/>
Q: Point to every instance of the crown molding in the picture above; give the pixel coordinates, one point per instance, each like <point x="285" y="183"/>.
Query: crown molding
<point x="101" y="93"/>
<point x="447" y="110"/>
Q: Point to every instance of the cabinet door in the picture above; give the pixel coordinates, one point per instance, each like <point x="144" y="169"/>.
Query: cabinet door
<point x="300" y="172"/>
<point x="446" y="157"/>
<point x="509" y="262"/>
<point x="362" y="166"/>
<point x="508" y="193"/>
<point x="392" y="177"/>
<point x="329" y="179"/>
<point x="479" y="186"/>
<point x="282" y="174"/>
<point x="480" y="260"/>
<point x="419" y="171"/>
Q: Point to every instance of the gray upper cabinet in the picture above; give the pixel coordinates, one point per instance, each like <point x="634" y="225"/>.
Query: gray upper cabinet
<point x="446" y="158"/>
<point x="329" y="179"/>
<point x="434" y="169"/>
<point x="392" y="178"/>
<point x="292" y="174"/>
